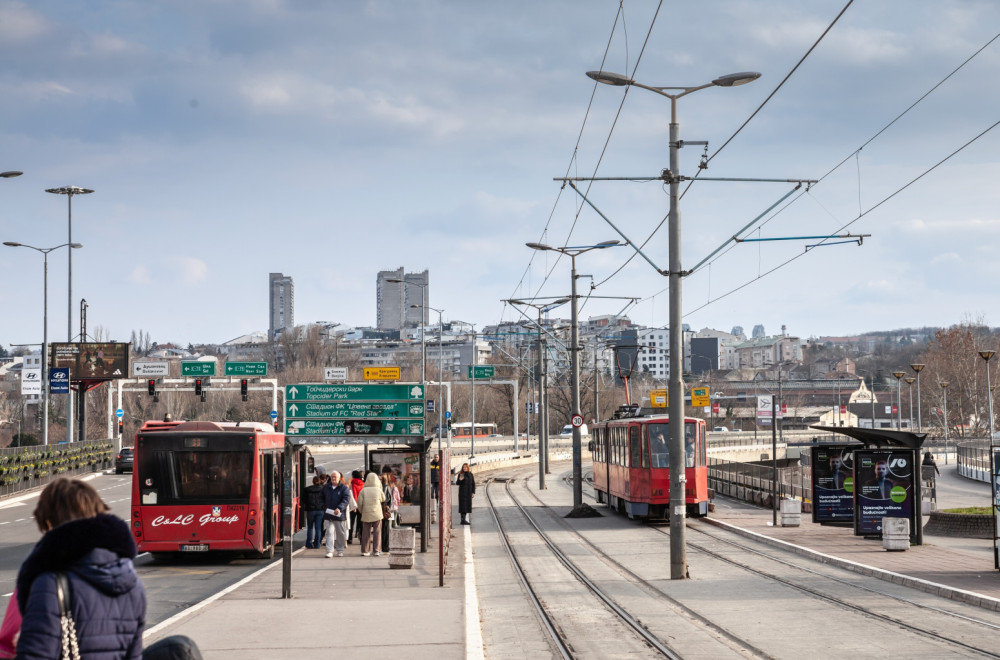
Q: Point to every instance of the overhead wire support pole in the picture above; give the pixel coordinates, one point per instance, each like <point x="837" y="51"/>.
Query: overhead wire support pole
<point x="613" y="226"/>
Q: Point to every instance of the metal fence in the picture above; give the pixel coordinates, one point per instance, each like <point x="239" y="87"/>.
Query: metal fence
<point x="751" y="482"/>
<point x="24" y="468"/>
<point x="974" y="460"/>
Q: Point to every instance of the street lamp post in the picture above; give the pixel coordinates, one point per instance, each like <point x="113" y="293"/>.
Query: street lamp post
<point x="917" y="368"/>
<point x="440" y="369"/>
<point x="69" y="191"/>
<point x="899" y="404"/>
<point x="944" y="391"/>
<point x="45" y="331"/>
<point x="987" y="355"/>
<point x="909" y="381"/>
<point x="543" y="426"/>
<point x="678" y="559"/>
<point x="572" y="253"/>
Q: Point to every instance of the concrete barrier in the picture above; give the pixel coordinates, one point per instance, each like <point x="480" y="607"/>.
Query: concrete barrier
<point x="896" y="534"/>
<point x="401" y="546"/>
<point x="960" y="525"/>
<point x="791" y="513"/>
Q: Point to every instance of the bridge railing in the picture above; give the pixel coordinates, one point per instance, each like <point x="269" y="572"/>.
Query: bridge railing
<point x="25" y="468"/>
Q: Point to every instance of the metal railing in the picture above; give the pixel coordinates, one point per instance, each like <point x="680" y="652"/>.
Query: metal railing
<point x="25" y="468"/>
<point x="751" y="482"/>
<point x="974" y="459"/>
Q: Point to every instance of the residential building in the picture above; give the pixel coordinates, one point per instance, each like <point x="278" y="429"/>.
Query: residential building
<point x="281" y="297"/>
<point x="394" y="300"/>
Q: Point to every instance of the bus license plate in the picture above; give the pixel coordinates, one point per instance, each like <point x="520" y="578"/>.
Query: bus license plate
<point x="194" y="548"/>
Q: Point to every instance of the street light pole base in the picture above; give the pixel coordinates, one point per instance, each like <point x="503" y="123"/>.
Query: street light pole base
<point x="584" y="511"/>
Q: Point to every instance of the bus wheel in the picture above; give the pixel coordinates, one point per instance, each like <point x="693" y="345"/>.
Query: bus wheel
<point x="268" y="553"/>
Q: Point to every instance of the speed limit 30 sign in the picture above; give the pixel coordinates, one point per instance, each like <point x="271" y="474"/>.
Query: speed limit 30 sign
<point x="577" y="421"/>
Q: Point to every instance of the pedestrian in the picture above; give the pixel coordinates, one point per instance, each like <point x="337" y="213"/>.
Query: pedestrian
<point x="337" y="497"/>
<point x="370" y="501"/>
<point x="357" y="483"/>
<point x="435" y="476"/>
<point x="929" y="460"/>
<point x="85" y="554"/>
<point x="315" y="505"/>
<point x="391" y="493"/>
<point x="466" y="483"/>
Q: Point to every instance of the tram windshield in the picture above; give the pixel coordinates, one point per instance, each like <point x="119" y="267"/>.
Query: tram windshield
<point x="659" y="444"/>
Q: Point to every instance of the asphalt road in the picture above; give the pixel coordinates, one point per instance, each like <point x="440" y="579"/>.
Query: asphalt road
<point x="171" y="586"/>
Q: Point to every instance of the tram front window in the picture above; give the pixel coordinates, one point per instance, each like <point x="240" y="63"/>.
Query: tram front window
<point x="659" y="445"/>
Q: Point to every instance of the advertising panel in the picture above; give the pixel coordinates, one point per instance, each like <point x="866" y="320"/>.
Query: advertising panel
<point x="403" y="469"/>
<point x="883" y="487"/>
<point x="833" y="484"/>
<point x="91" y="360"/>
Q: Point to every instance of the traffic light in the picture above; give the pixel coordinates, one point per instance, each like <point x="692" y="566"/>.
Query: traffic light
<point x="121" y="428"/>
<point x="197" y="386"/>
<point x="152" y="386"/>
<point x="243" y="388"/>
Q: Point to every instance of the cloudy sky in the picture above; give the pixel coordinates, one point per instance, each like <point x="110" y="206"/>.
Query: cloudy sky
<point x="228" y="139"/>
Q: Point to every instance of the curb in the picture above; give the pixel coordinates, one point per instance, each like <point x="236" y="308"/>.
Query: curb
<point x="934" y="588"/>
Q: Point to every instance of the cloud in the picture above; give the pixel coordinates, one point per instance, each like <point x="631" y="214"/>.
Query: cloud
<point x="19" y="24"/>
<point x="190" y="271"/>
<point x="139" y="275"/>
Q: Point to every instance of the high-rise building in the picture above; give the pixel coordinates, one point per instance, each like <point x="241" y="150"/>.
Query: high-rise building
<point x="394" y="299"/>
<point x="281" y="295"/>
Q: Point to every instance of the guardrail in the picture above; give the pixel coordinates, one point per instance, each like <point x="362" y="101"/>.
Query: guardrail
<point x="751" y="482"/>
<point x="25" y="468"/>
<point x="974" y="460"/>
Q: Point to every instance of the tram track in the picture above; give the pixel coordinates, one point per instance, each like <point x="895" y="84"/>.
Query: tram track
<point x="654" y="598"/>
<point x="813" y="592"/>
<point x="556" y="630"/>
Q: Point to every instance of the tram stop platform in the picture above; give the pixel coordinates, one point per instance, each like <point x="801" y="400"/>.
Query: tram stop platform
<point x="345" y="606"/>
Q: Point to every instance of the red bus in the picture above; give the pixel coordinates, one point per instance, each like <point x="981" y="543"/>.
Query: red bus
<point x="631" y="458"/>
<point x="208" y="486"/>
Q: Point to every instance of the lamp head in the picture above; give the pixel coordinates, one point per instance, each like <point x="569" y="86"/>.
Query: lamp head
<point x="76" y="245"/>
<point x="11" y="174"/>
<point x="736" y="79"/>
<point x="69" y="190"/>
<point x="608" y="78"/>
<point x="604" y="244"/>
<point x="538" y="246"/>
<point x="12" y="244"/>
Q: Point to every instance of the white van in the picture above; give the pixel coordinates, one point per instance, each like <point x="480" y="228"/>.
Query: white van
<point x="567" y="431"/>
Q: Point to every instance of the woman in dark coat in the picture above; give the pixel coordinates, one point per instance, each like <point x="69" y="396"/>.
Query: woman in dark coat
<point x="466" y="491"/>
<point x="94" y="550"/>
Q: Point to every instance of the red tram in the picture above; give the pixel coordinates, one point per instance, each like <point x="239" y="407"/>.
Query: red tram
<point x="208" y="486"/>
<point x="631" y="458"/>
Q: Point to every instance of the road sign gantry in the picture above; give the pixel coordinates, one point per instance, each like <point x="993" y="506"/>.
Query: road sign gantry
<point x="354" y="409"/>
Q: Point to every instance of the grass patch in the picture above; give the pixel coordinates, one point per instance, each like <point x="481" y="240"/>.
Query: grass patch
<point x="972" y="511"/>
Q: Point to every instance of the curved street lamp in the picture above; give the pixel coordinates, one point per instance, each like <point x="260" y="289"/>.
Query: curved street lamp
<point x="678" y="559"/>
<point x="45" y="331"/>
<point x="572" y="252"/>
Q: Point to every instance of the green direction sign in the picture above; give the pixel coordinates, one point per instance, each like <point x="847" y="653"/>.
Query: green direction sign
<point x="482" y="371"/>
<point x="197" y="368"/>
<point x="313" y="427"/>
<point x="354" y="392"/>
<point x="353" y="410"/>
<point x="246" y="368"/>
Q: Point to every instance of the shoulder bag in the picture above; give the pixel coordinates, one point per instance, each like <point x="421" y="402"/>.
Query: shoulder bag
<point x="70" y="648"/>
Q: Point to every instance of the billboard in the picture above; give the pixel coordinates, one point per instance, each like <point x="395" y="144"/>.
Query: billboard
<point x="833" y="484"/>
<point x="91" y="360"/>
<point x="884" y="487"/>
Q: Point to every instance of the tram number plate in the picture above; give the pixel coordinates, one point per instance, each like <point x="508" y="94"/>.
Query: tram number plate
<point x="195" y="548"/>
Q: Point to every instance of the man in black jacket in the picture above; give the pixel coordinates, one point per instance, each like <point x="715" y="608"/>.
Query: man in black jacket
<point x="314" y="507"/>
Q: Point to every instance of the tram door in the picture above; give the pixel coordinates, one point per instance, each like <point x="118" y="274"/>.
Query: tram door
<point x="269" y="482"/>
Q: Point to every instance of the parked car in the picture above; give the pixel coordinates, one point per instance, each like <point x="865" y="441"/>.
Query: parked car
<point x="123" y="461"/>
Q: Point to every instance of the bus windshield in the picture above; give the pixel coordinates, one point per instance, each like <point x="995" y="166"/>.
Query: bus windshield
<point x="168" y="475"/>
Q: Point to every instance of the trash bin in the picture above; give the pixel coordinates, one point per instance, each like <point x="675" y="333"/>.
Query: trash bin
<point x="896" y="534"/>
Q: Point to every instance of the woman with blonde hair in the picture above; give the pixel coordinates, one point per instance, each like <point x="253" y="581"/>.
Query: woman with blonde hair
<point x="88" y="553"/>
<point x="370" y="500"/>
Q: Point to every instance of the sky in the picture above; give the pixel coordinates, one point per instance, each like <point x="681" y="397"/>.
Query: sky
<point x="228" y="139"/>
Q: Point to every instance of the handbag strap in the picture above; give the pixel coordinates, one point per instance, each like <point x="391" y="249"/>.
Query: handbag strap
<point x="63" y="592"/>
